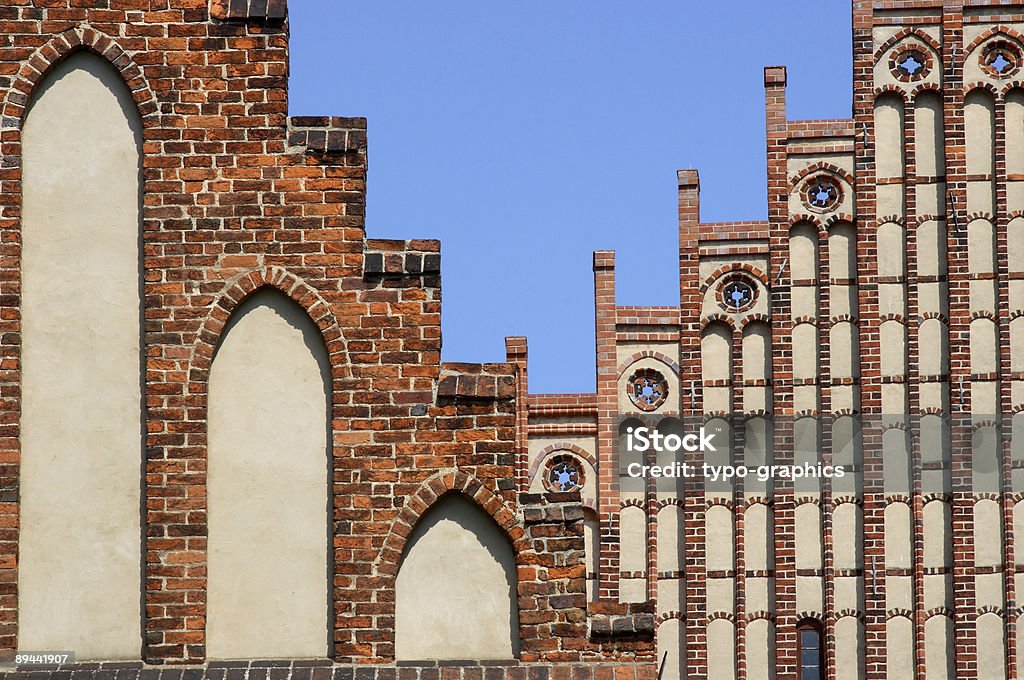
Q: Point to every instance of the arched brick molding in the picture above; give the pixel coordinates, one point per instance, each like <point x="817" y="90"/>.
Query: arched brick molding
<point x="241" y="288"/>
<point x="417" y="505"/>
<point x="59" y="48"/>
<point x="648" y="354"/>
<point x="907" y="34"/>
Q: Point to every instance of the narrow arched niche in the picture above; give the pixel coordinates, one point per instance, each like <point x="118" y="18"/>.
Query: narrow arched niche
<point x="267" y="484"/>
<point x="456" y="590"/>
<point x="80" y="549"/>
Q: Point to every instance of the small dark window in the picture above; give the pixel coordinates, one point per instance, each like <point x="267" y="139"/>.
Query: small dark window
<point x="812" y="665"/>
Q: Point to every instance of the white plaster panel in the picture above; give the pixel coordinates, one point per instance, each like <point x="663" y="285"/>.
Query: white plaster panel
<point x="888" y="137"/>
<point x="810" y="594"/>
<point x="803" y="301"/>
<point x="892" y="299"/>
<point x="988" y="534"/>
<point x="938" y="647"/>
<point x="897" y="535"/>
<point x="758" y="537"/>
<point x="721" y="594"/>
<point x="671" y="531"/>
<point x="929" y="145"/>
<point x="633" y="539"/>
<point x="938" y="538"/>
<point x="720" y="552"/>
<point x="760" y="649"/>
<point x="931" y="248"/>
<point x="891" y="242"/>
<point x="849" y="649"/>
<point x="760" y="593"/>
<point x="899" y="592"/>
<point x="991" y="654"/>
<point x="79" y="571"/>
<point x="931" y="198"/>
<point x="672" y="647"/>
<point x="671" y="595"/>
<point x="847" y="526"/>
<point x="842" y="301"/>
<point x="889" y="200"/>
<point x="849" y="593"/>
<point x="721" y="649"/>
<point x="633" y="590"/>
<point x="456" y="591"/>
<point x="808" y="536"/>
<point x="268" y="517"/>
<point x="988" y="590"/>
<point x="938" y="591"/>
<point x="899" y="647"/>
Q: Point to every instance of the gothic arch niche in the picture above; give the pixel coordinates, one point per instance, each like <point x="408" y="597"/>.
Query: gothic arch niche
<point x="81" y="422"/>
<point x="716" y="366"/>
<point x="267" y="482"/>
<point x="456" y="594"/>
<point x="848" y="524"/>
<point x="931" y="251"/>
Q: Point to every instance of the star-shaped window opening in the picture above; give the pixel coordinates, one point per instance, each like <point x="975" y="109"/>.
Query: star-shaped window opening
<point x="565" y="474"/>
<point x="910" y="63"/>
<point x="999" y="63"/>
<point x="738" y="294"/>
<point x="823" y="194"/>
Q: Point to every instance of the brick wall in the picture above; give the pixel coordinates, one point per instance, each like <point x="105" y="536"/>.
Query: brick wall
<point x="239" y="196"/>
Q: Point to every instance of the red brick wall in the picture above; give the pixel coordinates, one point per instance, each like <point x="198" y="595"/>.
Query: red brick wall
<point x="239" y="196"/>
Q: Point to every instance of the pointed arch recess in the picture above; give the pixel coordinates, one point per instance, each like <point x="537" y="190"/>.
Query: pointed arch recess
<point x="240" y="289"/>
<point x="62" y="46"/>
<point x="429" y="493"/>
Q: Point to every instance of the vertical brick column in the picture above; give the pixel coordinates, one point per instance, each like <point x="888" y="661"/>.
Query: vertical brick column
<point x="607" y="407"/>
<point x="1005" y="399"/>
<point x="867" y="314"/>
<point x="913" y="326"/>
<point x="961" y="477"/>
<point x="516" y="354"/>
<point x="691" y="408"/>
<point x="782" y="369"/>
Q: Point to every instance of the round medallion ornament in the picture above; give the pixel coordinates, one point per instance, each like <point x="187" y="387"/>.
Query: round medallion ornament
<point x="647" y="389"/>
<point x="564" y="473"/>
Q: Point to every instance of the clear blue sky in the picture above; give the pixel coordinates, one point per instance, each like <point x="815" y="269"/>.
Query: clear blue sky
<point x="526" y="135"/>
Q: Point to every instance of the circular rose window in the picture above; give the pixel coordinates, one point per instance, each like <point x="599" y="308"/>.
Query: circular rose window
<point x="910" y="64"/>
<point x="821" y="194"/>
<point x="647" y="389"/>
<point x="737" y="293"/>
<point x="1000" y="59"/>
<point x="564" y="473"/>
